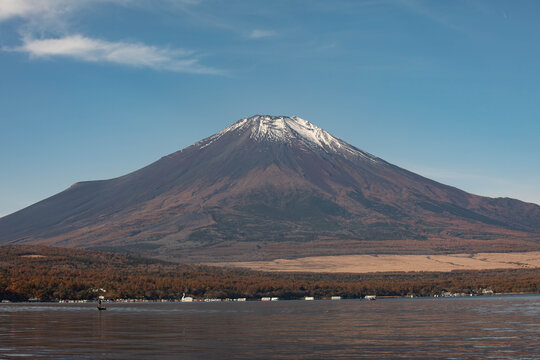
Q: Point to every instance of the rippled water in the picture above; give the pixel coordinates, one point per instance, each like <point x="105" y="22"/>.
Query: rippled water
<point x="496" y="327"/>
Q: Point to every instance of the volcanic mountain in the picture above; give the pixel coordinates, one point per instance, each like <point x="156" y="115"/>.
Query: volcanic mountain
<point x="273" y="187"/>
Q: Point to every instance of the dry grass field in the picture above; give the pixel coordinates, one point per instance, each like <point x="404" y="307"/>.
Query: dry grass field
<point x="391" y="263"/>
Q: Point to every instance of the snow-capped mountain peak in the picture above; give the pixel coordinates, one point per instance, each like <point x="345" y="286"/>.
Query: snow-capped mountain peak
<point x="272" y="187"/>
<point x="289" y="129"/>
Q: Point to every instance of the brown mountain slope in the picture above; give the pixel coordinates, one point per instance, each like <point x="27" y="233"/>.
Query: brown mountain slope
<point x="269" y="187"/>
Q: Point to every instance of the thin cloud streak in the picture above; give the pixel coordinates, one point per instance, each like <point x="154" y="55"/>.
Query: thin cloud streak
<point x="52" y="16"/>
<point x="259" y="34"/>
<point x="42" y="9"/>
<point x="132" y="54"/>
<point x="23" y="8"/>
<point x="46" y="8"/>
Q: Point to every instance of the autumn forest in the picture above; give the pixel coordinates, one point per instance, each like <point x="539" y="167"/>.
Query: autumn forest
<point x="52" y="274"/>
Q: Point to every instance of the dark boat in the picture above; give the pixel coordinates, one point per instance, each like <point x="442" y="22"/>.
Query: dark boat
<point x="100" y="307"/>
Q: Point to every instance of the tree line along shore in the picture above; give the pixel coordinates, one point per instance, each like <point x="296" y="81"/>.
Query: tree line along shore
<point x="54" y="274"/>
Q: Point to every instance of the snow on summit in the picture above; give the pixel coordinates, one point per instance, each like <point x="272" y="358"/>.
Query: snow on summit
<point x="289" y="130"/>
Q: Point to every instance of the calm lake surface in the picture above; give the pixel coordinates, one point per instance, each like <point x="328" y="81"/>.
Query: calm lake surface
<point x="498" y="327"/>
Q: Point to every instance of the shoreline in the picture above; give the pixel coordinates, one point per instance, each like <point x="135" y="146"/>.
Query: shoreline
<point x="174" y="301"/>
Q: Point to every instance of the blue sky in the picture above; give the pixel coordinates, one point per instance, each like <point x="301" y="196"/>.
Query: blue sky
<point x="96" y="89"/>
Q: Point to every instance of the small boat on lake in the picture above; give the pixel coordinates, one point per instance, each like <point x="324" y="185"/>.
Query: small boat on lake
<point x="100" y="306"/>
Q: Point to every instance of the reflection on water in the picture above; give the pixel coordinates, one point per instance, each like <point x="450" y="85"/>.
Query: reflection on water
<point x="460" y="328"/>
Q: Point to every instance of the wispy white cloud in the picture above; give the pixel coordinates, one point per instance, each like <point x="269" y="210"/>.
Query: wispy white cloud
<point x="133" y="54"/>
<point x="259" y="34"/>
<point x="23" y="8"/>
<point x="44" y="8"/>
<point x="34" y="9"/>
<point x="54" y="16"/>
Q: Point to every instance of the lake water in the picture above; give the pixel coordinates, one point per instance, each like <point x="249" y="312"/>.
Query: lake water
<point x="498" y="327"/>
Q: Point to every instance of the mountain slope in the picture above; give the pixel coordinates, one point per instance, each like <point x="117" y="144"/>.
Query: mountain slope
<point x="273" y="186"/>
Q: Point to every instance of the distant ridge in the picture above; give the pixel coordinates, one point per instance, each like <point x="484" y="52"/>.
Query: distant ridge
<point x="273" y="187"/>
